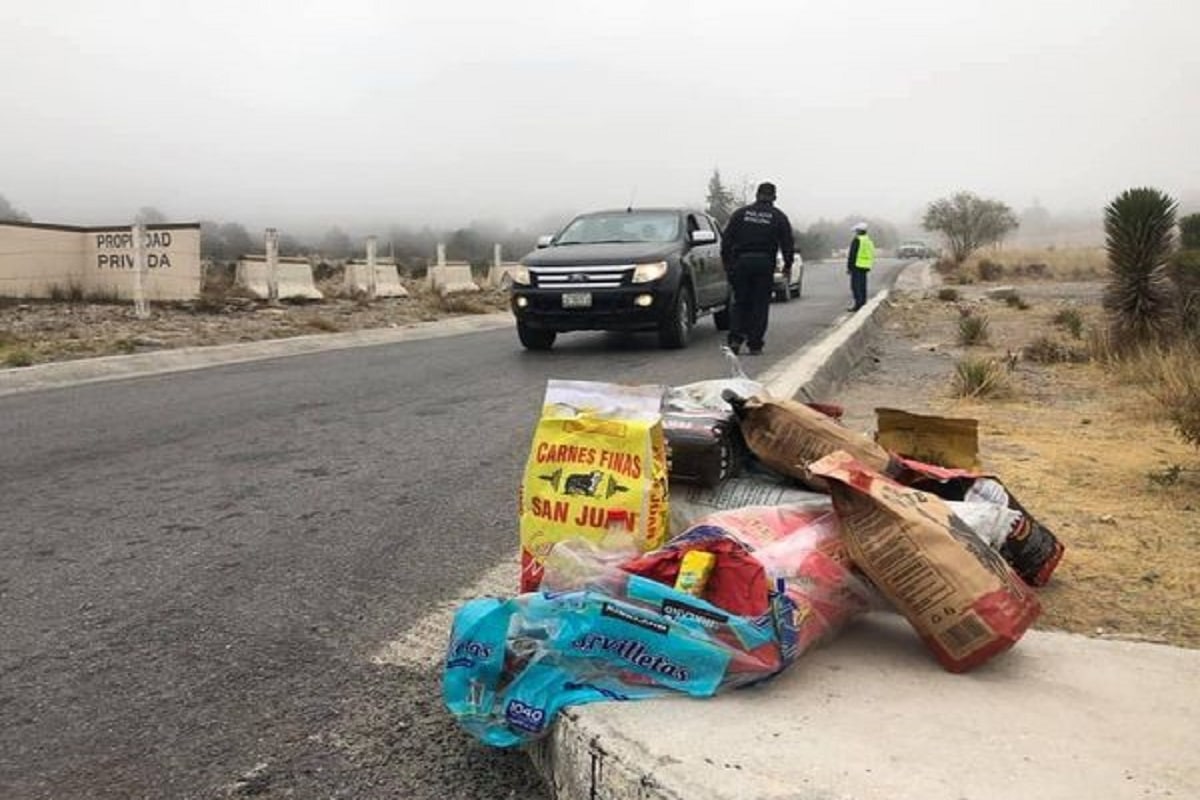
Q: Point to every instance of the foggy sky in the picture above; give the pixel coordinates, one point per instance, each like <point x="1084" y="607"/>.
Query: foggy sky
<point x="323" y="113"/>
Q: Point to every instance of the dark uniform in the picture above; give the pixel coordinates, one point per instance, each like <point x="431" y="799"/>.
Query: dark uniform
<point x="753" y="235"/>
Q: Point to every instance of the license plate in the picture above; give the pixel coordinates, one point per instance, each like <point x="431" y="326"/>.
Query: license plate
<point x="577" y="300"/>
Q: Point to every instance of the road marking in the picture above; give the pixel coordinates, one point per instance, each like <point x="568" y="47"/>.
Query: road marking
<point x="423" y="644"/>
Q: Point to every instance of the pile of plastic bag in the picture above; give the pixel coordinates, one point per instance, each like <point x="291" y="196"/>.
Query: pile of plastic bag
<point x="700" y="538"/>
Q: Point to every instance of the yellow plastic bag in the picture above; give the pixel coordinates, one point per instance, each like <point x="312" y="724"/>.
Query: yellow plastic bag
<point x="597" y="468"/>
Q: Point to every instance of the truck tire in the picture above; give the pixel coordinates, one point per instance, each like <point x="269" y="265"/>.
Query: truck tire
<point x="535" y="338"/>
<point x="675" y="328"/>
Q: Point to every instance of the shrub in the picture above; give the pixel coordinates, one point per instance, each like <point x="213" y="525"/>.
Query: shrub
<point x="1071" y="320"/>
<point x="1189" y="232"/>
<point x="1165" y="477"/>
<point x="325" y="271"/>
<point x="1184" y="271"/>
<point x="972" y="329"/>
<point x="1016" y="301"/>
<point x="990" y="270"/>
<point x="1046" y="350"/>
<point x="322" y="324"/>
<point x="19" y="358"/>
<point x="944" y="266"/>
<point x="948" y="294"/>
<point x="979" y="377"/>
<point x="464" y="304"/>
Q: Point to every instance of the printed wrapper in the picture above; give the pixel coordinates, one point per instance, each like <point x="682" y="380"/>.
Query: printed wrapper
<point x="1030" y="547"/>
<point x="966" y="603"/>
<point x="511" y="665"/>
<point x="597" y="468"/>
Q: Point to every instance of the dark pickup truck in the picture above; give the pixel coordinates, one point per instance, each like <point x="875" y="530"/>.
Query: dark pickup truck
<point x="644" y="269"/>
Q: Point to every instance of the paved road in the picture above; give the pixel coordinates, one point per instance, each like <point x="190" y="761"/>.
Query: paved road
<point x="194" y="568"/>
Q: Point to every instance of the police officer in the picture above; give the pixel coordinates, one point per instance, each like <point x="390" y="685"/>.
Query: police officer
<point x="753" y="235"/>
<point x="859" y="260"/>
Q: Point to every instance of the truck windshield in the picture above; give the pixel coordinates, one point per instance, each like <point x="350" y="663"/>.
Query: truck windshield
<point x="633" y="226"/>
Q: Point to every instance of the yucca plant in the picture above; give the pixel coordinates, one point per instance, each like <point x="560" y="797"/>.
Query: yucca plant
<point x="1139" y="230"/>
<point x="979" y="377"/>
<point x="972" y="329"/>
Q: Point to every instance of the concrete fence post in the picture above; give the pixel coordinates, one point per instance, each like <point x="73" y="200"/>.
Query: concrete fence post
<point x="441" y="255"/>
<point x="272" y="246"/>
<point x="138" y="233"/>
<point x="372" y="278"/>
<point x="497" y="250"/>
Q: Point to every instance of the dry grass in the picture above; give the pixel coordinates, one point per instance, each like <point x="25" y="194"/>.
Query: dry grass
<point x="1088" y="451"/>
<point x="1171" y="376"/>
<point x="1034" y="264"/>
<point x="57" y="331"/>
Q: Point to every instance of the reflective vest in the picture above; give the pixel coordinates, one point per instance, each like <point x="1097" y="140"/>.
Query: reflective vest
<point x="865" y="257"/>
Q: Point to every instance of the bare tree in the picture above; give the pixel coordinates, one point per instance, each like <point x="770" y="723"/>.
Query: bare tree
<point x="968" y="222"/>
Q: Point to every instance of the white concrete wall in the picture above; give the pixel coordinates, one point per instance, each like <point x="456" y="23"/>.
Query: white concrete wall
<point x="36" y="259"/>
<point x="173" y="269"/>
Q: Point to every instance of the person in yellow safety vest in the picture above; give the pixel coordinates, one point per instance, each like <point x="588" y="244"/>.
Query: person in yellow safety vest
<point x="859" y="261"/>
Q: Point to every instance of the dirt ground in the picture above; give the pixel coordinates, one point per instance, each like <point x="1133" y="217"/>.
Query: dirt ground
<point x="1087" y="454"/>
<point x="35" y="331"/>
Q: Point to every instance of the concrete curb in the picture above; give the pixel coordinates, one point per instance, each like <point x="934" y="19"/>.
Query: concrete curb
<point x="871" y="716"/>
<point x="110" y="368"/>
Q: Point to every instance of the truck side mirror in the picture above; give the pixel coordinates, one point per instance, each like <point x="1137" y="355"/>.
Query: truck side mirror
<point x="702" y="237"/>
<point x="545" y="240"/>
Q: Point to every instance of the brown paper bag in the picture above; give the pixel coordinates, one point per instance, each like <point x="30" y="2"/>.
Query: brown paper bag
<point x="787" y="436"/>
<point x="948" y="441"/>
<point x="963" y="599"/>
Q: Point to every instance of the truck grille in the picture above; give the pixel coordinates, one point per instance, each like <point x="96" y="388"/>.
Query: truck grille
<point x="584" y="277"/>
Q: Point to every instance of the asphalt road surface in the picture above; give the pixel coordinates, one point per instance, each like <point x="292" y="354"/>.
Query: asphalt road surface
<point x="196" y="567"/>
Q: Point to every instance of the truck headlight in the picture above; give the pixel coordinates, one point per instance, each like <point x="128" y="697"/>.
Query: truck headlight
<point x="521" y="275"/>
<point x="644" y="273"/>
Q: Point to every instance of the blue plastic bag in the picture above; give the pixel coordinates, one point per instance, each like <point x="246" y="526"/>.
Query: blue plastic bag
<point x="511" y="665"/>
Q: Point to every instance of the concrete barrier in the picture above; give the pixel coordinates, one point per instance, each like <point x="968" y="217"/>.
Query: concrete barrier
<point x="387" y="278"/>
<point x="500" y="275"/>
<point x="295" y="278"/>
<point x="452" y="278"/>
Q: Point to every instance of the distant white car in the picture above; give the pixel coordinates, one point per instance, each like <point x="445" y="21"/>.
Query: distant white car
<point x="915" y="249"/>
<point x="788" y="285"/>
